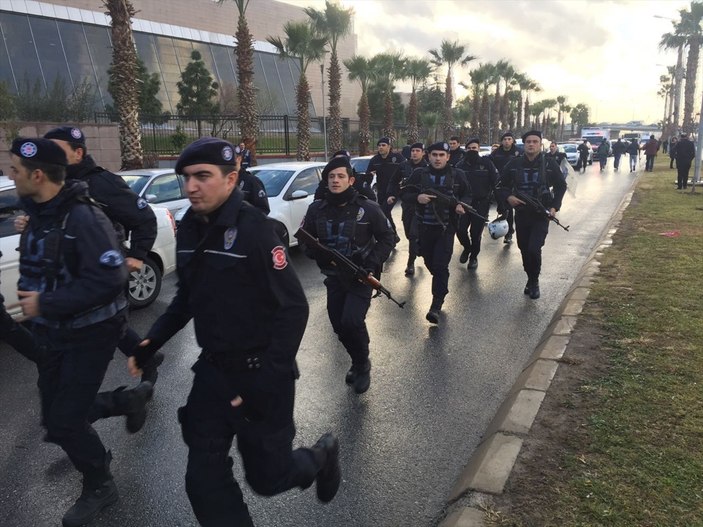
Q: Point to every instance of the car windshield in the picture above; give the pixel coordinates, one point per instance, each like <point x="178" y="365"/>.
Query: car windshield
<point x="273" y="180"/>
<point x="569" y="148"/>
<point x="360" y="165"/>
<point x="136" y="182"/>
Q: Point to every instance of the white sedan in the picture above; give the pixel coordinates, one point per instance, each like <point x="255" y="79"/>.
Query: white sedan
<point x="144" y="285"/>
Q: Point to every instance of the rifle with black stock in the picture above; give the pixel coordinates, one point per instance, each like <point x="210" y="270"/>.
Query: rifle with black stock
<point x="448" y="201"/>
<point x="346" y="265"/>
<point x="538" y="207"/>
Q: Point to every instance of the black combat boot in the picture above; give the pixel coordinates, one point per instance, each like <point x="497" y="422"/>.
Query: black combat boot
<point x="362" y="376"/>
<point x="150" y="371"/>
<point x="473" y="263"/>
<point x="534" y="289"/>
<point x="130" y="403"/>
<point x="432" y="315"/>
<point x="330" y="475"/>
<point x="410" y="268"/>
<point x="528" y="286"/>
<point x="464" y="256"/>
<point x="99" y="491"/>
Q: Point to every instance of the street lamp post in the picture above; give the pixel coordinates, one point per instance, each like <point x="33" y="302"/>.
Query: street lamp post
<point x="324" y="119"/>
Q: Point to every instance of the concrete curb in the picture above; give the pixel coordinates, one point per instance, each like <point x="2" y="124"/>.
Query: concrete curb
<point x="492" y="462"/>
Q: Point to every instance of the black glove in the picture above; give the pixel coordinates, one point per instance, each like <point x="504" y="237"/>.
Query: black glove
<point x="143" y="354"/>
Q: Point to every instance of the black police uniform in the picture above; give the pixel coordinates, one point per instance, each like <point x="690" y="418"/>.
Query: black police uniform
<point x="385" y="168"/>
<point x="254" y="191"/>
<point x="69" y="253"/>
<point x="250" y="312"/>
<point x="543" y="182"/>
<point x="482" y="176"/>
<point x="557" y="156"/>
<point x="437" y="222"/>
<point x="583" y="150"/>
<point x="500" y="157"/>
<point x="358" y="229"/>
<point x="685" y="154"/>
<point x="456" y="156"/>
<point x="396" y="189"/>
<point x="361" y="185"/>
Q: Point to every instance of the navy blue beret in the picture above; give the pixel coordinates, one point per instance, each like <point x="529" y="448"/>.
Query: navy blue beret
<point x="417" y="145"/>
<point x="70" y="134"/>
<point x="538" y="133"/>
<point x="441" y="145"/>
<point x="507" y="134"/>
<point x="208" y="151"/>
<point x="336" y="162"/>
<point x="40" y="150"/>
<point x="473" y="140"/>
<point x="384" y="140"/>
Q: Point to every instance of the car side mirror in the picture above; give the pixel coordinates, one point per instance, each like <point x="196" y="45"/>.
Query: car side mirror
<point x="299" y="194"/>
<point x="151" y="198"/>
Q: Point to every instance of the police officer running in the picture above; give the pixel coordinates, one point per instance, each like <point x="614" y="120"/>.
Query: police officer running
<point x="533" y="175"/>
<point x="250" y="312"/>
<point x="71" y="288"/>
<point x="385" y="164"/>
<point x="436" y="217"/>
<point x="482" y="176"/>
<point x="357" y="228"/>
<point x="396" y="189"/>
<point x="500" y="158"/>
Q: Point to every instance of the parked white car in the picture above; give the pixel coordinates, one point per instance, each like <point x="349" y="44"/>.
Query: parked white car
<point x="144" y="286"/>
<point x="159" y="186"/>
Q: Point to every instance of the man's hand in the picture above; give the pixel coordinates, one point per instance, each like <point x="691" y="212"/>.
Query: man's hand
<point x="514" y="202"/>
<point x="390" y="200"/>
<point x="424" y="199"/>
<point x="140" y="356"/>
<point x="133" y="264"/>
<point x="237" y="401"/>
<point x="459" y="209"/>
<point x="29" y="302"/>
<point x="21" y="223"/>
<point x="553" y="212"/>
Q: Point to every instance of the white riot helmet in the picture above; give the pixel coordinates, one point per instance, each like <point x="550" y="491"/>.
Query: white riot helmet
<point x="498" y="228"/>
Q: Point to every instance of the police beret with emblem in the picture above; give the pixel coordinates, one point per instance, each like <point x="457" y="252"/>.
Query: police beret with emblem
<point x="336" y="162"/>
<point x="40" y="150"/>
<point x="441" y="145"/>
<point x="70" y="134"/>
<point x="473" y="140"/>
<point x="384" y="140"/>
<point x="340" y="153"/>
<point x="538" y="133"/>
<point x="507" y="134"/>
<point x="417" y="145"/>
<point x="207" y="151"/>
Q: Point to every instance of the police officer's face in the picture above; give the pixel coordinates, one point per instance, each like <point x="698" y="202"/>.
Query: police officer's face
<point x="552" y="148"/>
<point x="72" y="156"/>
<point x="533" y="145"/>
<point x="384" y="149"/>
<point x="207" y="188"/>
<point x="416" y="154"/>
<point x="453" y="145"/>
<point x="339" y="180"/>
<point x="507" y="142"/>
<point x="438" y="159"/>
<point x="473" y="147"/>
<point x="23" y="178"/>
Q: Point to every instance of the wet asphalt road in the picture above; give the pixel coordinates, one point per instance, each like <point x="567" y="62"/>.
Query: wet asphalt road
<point x="403" y="443"/>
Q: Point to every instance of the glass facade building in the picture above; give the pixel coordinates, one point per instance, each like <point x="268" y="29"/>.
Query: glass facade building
<point x="74" y="47"/>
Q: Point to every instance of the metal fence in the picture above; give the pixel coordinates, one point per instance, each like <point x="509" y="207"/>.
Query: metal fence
<point x="168" y="135"/>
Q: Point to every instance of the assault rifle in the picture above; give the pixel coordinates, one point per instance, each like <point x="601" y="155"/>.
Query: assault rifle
<point x="449" y="201"/>
<point x="538" y="207"/>
<point x="345" y="264"/>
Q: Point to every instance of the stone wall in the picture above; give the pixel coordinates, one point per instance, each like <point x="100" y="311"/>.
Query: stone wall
<point x="102" y="142"/>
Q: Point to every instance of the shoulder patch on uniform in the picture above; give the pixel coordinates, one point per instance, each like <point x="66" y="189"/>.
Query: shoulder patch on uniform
<point x="278" y="255"/>
<point x="112" y="258"/>
<point x="262" y="193"/>
<point x="142" y="203"/>
<point x="360" y="214"/>
<point x="230" y="236"/>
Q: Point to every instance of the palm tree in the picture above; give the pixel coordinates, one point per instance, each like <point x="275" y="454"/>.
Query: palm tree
<point x="417" y="70"/>
<point x="449" y="53"/>
<point x="246" y="90"/>
<point x="487" y="119"/>
<point x="566" y="109"/>
<point x="388" y="68"/>
<point x="507" y="72"/>
<point x="561" y="100"/>
<point x="691" y="29"/>
<point x="678" y="42"/>
<point x="334" y="23"/>
<point x="579" y="116"/>
<point x="301" y="43"/>
<point x="360" y="70"/>
<point x="522" y="82"/>
<point x="126" y="91"/>
<point x="532" y="86"/>
<point x="430" y="121"/>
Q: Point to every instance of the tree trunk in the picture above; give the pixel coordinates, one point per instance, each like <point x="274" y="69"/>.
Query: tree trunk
<point x="388" y="115"/>
<point x="691" y="72"/>
<point x="476" y="111"/>
<point x="495" y="117"/>
<point x="302" y="98"/>
<point x="447" y="118"/>
<point x="246" y="91"/>
<point x="413" y="131"/>
<point x="678" y="77"/>
<point x="364" y="124"/>
<point x="335" y="86"/>
<point x="484" y="125"/>
<point x="124" y="71"/>
<point x="519" y="120"/>
<point x="526" y="114"/>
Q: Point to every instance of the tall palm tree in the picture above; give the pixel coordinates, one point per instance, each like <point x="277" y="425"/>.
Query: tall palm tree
<point x="487" y="117"/>
<point x="334" y="23"/>
<point x="566" y="109"/>
<point x="301" y="43"/>
<point x="497" y="78"/>
<point x="126" y="92"/>
<point x="417" y="71"/>
<point x="532" y="87"/>
<point x="678" y="42"/>
<point x="691" y="29"/>
<point x="246" y="90"/>
<point x="449" y="54"/>
<point x="388" y="68"/>
<point x="522" y="82"/>
<point x="507" y="73"/>
<point x="561" y="100"/>
<point x="360" y="70"/>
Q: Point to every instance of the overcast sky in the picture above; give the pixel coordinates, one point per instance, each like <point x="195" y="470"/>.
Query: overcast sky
<point x="603" y="53"/>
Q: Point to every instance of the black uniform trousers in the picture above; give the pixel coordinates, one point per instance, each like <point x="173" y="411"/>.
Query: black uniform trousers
<point x="265" y="430"/>
<point x="649" y="165"/>
<point x="582" y="162"/>
<point x="616" y="161"/>
<point x="386" y="208"/>
<point x="347" y="306"/>
<point x="436" y="245"/>
<point x="470" y="227"/>
<point x="682" y="170"/>
<point x="531" y="231"/>
<point x="409" y="218"/>
<point x="72" y="366"/>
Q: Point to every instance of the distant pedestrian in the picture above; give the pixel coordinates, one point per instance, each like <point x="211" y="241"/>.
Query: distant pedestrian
<point x="456" y="154"/>
<point x="633" y="150"/>
<point x="685" y="154"/>
<point x="619" y="148"/>
<point x="584" y="150"/>
<point x="672" y="151"/>
<point x="603" y="152"/>
<point x="650" y="151"/>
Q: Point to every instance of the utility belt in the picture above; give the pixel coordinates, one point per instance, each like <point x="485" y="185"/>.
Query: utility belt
<point x="233" y="362"/>
<point x="87" y="318"/>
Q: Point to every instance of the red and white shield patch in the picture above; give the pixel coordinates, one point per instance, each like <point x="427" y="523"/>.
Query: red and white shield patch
<point x="278" y="255"/>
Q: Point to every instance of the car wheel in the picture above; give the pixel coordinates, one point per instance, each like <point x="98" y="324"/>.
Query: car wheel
<point x="144" y="285"/>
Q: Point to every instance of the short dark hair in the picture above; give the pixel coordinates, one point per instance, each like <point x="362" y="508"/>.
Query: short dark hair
<point x="226" y="169"/>
<point x="349" y="169"/>
<point x="454" y="138"/>
<point x="76" y="146"/>
<point x="55" y="173"/>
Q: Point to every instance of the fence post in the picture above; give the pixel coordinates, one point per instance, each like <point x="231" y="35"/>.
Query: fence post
<point x="286" y="134"/>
